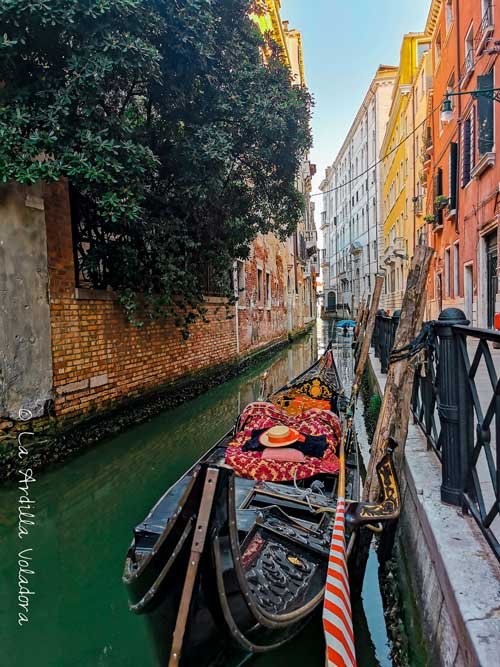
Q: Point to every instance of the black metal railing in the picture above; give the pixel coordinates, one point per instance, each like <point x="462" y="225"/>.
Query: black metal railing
<point x="486" y="27"/>
<point x="383" y="337"/>
<point x="456" y="402"/>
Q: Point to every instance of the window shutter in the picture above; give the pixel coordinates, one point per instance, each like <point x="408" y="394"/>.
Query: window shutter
<point x="453" y="174"/>
<point x="466" y="151"/>
<point x="485" y="115"/>
<point x="438" y="190"/>
<point x="472" y="148"/>
<point x="439" y="183"/>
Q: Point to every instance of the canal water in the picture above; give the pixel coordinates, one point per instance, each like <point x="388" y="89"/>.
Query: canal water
<point x="84" y="514"/>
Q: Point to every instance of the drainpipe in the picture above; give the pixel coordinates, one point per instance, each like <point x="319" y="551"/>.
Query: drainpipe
<point x="236" y="311"/>
<point x="375" y="180"/>
<point x="414" y="172"/>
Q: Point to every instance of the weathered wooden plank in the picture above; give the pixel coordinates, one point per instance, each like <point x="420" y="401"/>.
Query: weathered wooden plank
<point x="395" y="410"/>
<point x="367" y="337"/>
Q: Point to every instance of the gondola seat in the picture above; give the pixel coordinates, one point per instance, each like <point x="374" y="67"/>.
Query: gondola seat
<point x="262" y="415"/>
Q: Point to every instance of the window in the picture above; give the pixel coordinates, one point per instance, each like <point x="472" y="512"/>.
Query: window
<point x="456" y="275"/>
<point x="422" y="47"/>
<point x="437" y="52"/>
<point x="447" y="261"/>
<point x="449" y="14"/>
<point x="268" y="290"/>
<point x="260" y="286"/>
<point x="485" y="115"/>
<point x="469" y="50"/>
<point x="438" y="190"/>
<point x="453" y="166"/>
<point x="240" y="269"/>
<point x="467" y="148"/>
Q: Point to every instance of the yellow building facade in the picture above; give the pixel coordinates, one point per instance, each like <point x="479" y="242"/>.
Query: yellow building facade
<point x="401" y="211"/>
<point x="297" y="254"/>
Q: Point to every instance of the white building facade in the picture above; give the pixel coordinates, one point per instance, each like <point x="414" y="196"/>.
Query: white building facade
<point x="351" y="221"/>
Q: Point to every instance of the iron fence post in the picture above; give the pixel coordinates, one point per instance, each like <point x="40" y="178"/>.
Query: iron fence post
<point x="384" y="344"/>
<point x="395" y="323"/>
<point x="454" y="407"/>
<point x="378" y="333"/>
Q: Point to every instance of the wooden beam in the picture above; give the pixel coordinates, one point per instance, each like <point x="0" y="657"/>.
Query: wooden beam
<point x="367" y="337"/>
<point x="395" y="410"/>
<point x="363" y="320"/>
<point x="197" y="547"/>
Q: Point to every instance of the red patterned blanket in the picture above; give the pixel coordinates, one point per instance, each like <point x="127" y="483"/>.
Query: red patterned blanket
<point x="261" y="415"/>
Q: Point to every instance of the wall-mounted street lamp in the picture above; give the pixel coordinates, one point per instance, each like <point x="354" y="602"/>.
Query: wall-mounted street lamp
<point x="447" y="112"/>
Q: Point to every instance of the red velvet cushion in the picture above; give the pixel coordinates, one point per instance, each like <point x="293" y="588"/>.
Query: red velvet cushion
<point x="283" y="454"/>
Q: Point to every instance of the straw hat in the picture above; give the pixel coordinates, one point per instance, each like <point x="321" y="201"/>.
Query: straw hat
<point x="279" y="436"/>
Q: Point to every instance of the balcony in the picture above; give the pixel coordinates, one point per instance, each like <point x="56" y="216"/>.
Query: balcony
<point x="356" y="248"/>
<point x="301" y="243"/>
<point x="438" y="222"/>
<point x="468" y="66"/>
<point x="324" y="221"/>
<point x="418" y="204"/>
<point x="324" y="259"/>
<point x="485" y="30"/>
<point x="395" y="250"/>
<point x="311" y="237"/>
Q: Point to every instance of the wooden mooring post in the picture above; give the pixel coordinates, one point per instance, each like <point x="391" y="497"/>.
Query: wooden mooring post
<point x="395" y="409"/>
<point x="368" y="332"/>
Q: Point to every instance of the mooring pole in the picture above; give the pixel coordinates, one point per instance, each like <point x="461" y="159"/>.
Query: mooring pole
<point x="367" y="338"/>
<point x="395" y="410"/>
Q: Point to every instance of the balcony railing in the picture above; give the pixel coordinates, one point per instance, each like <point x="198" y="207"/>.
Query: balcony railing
<point x="485" y="29"/>
<point x="418" y="204"/>
<point x="468" y="66"/>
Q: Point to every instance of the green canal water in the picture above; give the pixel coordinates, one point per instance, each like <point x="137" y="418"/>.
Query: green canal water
<point x="85" y="510"/>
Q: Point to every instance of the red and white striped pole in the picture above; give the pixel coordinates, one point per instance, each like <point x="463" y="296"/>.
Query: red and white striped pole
<point x="337" y="612"/>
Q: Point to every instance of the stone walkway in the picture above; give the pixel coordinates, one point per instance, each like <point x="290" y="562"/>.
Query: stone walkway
<point x="454" y="571"/>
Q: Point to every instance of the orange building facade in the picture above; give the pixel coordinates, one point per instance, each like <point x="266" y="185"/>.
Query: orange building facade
<point x="463" y="172"/>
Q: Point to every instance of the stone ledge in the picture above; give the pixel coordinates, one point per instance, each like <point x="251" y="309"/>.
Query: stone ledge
<point x="56" y="439"/>
<point x="457" y="577"/>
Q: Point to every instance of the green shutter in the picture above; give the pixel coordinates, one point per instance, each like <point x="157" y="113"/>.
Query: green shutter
<point x="453" y="175"/>
<point x="485" y="115"/>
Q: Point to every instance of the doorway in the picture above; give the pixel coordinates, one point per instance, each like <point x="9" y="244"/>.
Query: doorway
<point x="468" y="292"/>
<point x="491" y="277"/>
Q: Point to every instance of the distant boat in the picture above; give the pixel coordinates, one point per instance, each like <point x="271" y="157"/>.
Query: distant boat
<point x="351" y="324"/>
<point x="233" y="559"/>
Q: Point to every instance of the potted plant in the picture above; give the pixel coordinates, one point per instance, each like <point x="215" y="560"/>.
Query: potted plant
<point x="430" y="219"/>
<point x="441" y="201"/>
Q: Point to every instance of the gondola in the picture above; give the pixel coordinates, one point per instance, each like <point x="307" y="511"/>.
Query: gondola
<point x="232" y="560"/>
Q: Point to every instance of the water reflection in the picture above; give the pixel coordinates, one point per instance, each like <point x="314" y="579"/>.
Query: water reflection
<point x="86" y="508"/>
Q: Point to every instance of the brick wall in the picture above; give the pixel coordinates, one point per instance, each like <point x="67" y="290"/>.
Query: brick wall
<point x="100" y="359"/>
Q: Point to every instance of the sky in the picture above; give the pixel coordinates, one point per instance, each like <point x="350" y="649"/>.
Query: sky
<point x="344" y="42"/>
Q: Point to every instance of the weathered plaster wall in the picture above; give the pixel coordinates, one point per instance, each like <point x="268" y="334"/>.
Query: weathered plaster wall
<point x="25" y="345"/>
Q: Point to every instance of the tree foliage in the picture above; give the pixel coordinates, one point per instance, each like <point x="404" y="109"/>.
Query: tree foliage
<point x="181" y="142"/>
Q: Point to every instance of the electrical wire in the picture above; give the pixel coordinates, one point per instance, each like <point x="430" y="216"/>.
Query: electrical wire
<point x="375" y="164"/>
